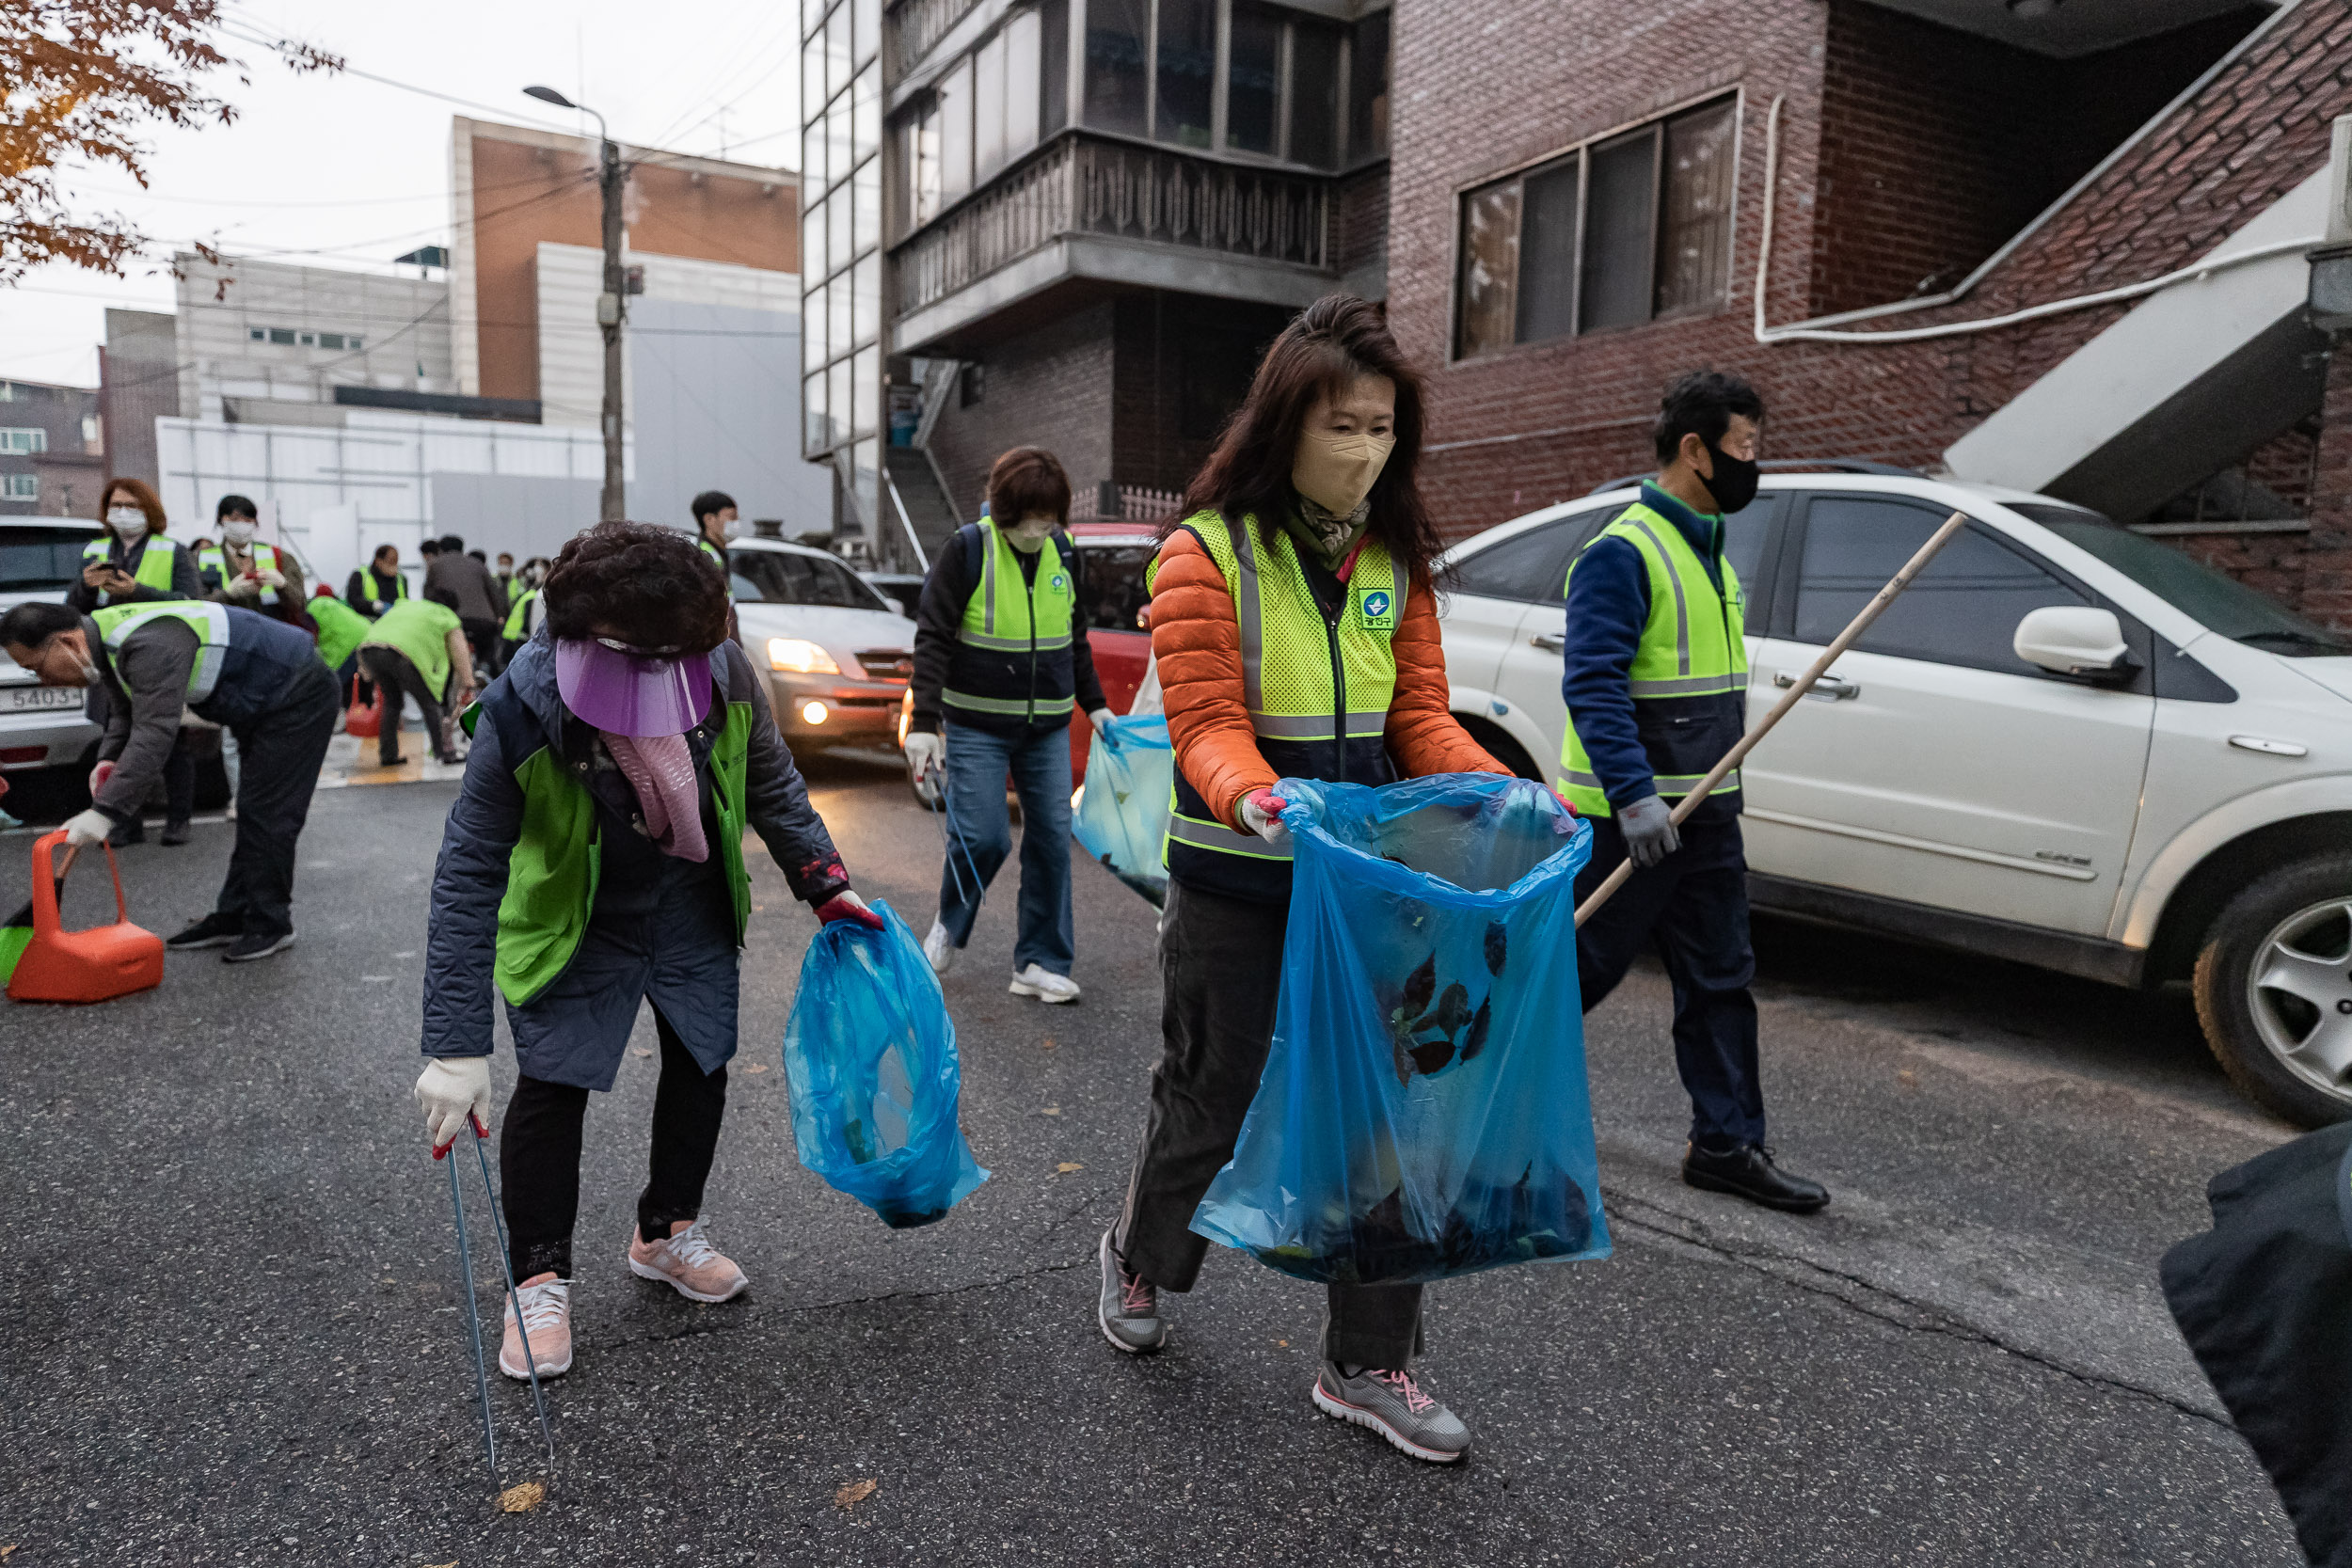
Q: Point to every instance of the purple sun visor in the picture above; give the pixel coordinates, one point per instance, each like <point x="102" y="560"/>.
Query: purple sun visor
<point x="629" y="691"/>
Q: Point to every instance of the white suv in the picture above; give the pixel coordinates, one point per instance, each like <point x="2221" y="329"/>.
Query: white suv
<point x="2152" y="781"/>
<point x="41" y="728"/>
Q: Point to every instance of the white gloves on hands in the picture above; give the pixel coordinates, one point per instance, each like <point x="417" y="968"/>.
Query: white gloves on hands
<point x="88" y="828"/>
<point x="451" y="1089"/>
<point x="241" y="586"/>
<point x="1262" y="814"/>
<point x="273" y="579"/>
<point x="927" y="753"/>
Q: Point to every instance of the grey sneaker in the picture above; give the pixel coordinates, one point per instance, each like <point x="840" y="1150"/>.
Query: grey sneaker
<point x="1396" y="1407"/>
<point x="1129" y="1310"/>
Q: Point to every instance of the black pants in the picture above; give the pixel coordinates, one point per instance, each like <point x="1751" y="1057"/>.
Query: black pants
<point x="482" y="636"/>
<point x="396" y="676"/>
<point x="277" y="771"/>
<point x="1693" y="906"/>
<point x="1220" y="966"/>
<point x="539" y="1157"/>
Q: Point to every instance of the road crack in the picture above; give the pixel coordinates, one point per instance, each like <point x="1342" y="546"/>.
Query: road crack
<point x="1917" y="1317"/>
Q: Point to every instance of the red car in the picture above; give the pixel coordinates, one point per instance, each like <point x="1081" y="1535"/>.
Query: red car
<point x="1117" y="618"/>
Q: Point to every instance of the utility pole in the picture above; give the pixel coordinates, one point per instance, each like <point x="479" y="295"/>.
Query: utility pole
<point x="611" y="305"/>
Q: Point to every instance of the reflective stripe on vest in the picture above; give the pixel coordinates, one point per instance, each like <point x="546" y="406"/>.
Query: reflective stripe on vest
<point x="154" y="562"/>
<point x="1692" y="646"/>
<point x="213" y="558"/>
<point x="210" y="622"/>
<point x="1300" y="707"/>
<point x="1201" y="833"/>
<point x="513" y="630"/>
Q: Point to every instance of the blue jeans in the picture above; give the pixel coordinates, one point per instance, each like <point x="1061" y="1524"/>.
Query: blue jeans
<point x="981" y="836"/>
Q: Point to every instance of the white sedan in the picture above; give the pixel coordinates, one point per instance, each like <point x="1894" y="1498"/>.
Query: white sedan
<point x="837" y="655"/>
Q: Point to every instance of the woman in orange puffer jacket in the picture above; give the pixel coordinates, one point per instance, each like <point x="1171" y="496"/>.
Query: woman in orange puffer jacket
<point x="1296" y="636"/>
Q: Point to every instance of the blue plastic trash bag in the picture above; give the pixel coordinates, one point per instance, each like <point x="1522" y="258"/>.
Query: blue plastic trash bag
<point x="1424" y="1112"/>
<point x="871" y="1055"/>
<point x="1122" y="811"/>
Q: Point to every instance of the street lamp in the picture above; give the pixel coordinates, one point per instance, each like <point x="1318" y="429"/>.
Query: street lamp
<point x="613" y="505"/>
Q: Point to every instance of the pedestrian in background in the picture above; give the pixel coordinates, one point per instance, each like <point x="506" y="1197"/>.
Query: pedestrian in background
<point x="481" y="605"/>
<point x="505" y="576"/>
<point x="134" y="562"/>
<point x="159" y="662"/>
<point x="374" y="587"/>
<point x="528" y="607"/>
<point x="716" y="522"/>
<point x="1655" y="672"/>
<point x="417" y="648"/>
<point x="1000" y="662"/>
<point x="1304" y="565"/>
<point x="593" y="863"/>
<point x="249" y="572"/>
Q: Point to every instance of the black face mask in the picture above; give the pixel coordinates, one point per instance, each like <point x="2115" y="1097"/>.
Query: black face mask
<point x="1734" y="484"/>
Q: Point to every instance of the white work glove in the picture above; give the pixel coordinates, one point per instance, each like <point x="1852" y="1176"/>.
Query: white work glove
<point x="1262" y="814"/>
<point x="1101" y="718"/>
<point x="241" y="586"/>
<point x="88" y="828"/>
<point x="927" y="753"/>
<point x="273" y="579"/>
<point x="1649" y="832"/>
<point x="451" y="1089"/>
<point x="98" y="777"/>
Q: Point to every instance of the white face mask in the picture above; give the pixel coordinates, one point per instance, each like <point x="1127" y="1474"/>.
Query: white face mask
<point x="1336" y="473"/>
<point x="128" y="522"/>
<point x="1030" y="533"/>
<point x="238" y="531"/>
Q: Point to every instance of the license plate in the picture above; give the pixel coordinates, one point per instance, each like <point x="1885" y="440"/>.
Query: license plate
<point x="26" y="699"/>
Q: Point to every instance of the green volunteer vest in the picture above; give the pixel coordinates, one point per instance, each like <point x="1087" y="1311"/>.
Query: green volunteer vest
<point x="116" y="623"/>
<point x="1009" y="614"/>
<point x="1693" y="646"/>
<point x="552" y="871"/>
<point x="154" y="563"/>
<point x="727" y="572"/>
<point x="512" y="631"/>
<point x="418" y="629"/>
<point x="1305" y="683"/>
<point x="214" y="559"/>
<point x="377" y="581"/>
<point x="342" y="628"/>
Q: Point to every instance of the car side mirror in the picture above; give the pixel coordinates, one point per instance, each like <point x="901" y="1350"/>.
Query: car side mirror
<point x="2081" y="642"/>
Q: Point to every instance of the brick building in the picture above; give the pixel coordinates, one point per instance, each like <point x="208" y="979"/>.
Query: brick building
<point x="1934" y="163"/>
<point x="51" y="454"/>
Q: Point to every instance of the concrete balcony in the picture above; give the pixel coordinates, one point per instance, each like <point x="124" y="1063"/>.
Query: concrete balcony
<point x="1085" y="215"/>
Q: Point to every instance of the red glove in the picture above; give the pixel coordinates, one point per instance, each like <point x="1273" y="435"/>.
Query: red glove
<point x="1564" y="804"/>
<point x="847" y="905"/>
<point x="1261" y="813"/>
<point x="98" y="775"/>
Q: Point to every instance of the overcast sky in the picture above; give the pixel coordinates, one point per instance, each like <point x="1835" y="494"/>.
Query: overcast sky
<point x="359" y="172"/>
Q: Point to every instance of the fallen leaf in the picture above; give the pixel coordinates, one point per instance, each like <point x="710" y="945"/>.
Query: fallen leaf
<point x="1906" y="1076"/>
<point x="522" y="1497"/>
<point x="11" y="1546"/>
<point x="854" y="1493"/>
<point x="1049" y="1042"/>
<point x="1051" y="1111"/>
<point x="1284" y="1343"/>
<point x="754" y="1066"/>
<point x="641" y="1051"/>
<point x="451" y="1563"/>
<point x="1067" y="1166"/>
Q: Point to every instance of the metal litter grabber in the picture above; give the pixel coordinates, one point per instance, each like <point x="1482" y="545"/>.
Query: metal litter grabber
<point x="1732" y="758"/>
<point x="473" y="1315"/>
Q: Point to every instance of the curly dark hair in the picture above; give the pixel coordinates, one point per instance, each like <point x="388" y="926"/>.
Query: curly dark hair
<point x="1325" y="347"/>
<point x="648" y="586"/>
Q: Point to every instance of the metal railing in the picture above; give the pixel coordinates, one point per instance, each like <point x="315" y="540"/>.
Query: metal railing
<point x="1082" y="184"/>
<point x="912" y="26"/>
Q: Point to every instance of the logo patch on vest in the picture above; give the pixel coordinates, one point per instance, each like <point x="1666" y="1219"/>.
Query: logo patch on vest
<point x="1061" y="581"/>
<point x="1376" y="609"/>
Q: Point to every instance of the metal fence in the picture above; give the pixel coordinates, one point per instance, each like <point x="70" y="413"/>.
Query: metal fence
<point x="1081" y="184"/>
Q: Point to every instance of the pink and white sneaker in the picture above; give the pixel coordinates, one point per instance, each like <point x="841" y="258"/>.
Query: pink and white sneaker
<point x="546" y="1311"/>
<point x="688" y="1263"/>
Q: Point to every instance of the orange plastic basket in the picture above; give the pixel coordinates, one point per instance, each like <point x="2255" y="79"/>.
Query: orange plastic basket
<point x="367" y="721"/>
<point x="94" y="965"/>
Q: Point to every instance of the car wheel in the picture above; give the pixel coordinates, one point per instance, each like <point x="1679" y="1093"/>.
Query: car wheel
<point x="2274" y="991"/>
<point x="1497" y="743"/>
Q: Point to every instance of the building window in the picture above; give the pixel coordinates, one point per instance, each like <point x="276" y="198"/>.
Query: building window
<point x="1368" y="89"/>
<point x="330" y="340"/>
<point x="841" y="391"/>
<point x="1187" y="78"/>
<point x="20" y="487"/>
<point x="257" y="334"/>
<point x="1118" y="43"/>
<point x="1613" y="234"/>
<point x="22" y="441"/>
<point x="283" y="335"/>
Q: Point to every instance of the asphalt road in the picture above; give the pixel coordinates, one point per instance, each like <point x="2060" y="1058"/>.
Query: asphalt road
<point x="232" y="1304"/>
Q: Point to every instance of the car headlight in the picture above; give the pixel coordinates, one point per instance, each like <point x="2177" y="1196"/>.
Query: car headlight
<point x="801" y="656"/>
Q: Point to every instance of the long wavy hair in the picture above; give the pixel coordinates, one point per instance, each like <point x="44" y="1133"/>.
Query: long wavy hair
<point x="1334" y="340"/>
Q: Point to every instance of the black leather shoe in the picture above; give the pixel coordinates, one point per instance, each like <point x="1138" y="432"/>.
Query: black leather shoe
<point x="175" y="834"/>
<point x="127" y="833"/>
<point x="1748" y="1172"/>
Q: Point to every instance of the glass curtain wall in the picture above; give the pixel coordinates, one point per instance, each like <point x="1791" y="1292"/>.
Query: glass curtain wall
<point x="841" y="195"/>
